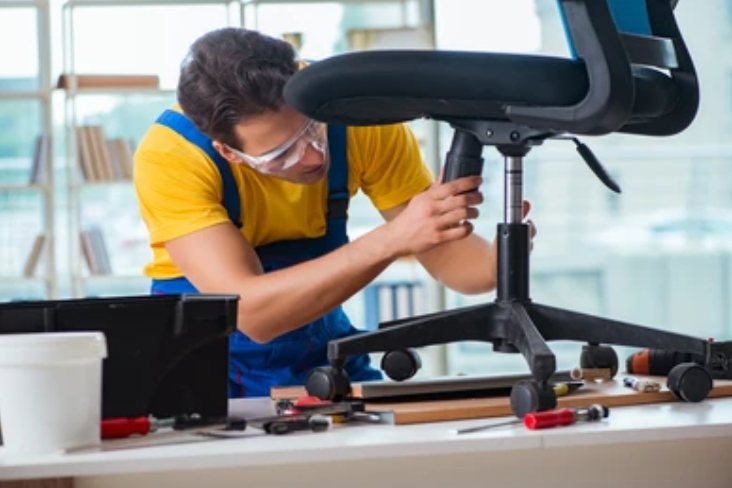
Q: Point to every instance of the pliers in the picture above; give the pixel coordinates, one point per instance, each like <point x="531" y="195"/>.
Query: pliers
<point x="343" y="411"/>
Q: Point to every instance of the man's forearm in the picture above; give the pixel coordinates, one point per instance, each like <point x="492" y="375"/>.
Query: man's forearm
<point x="464" y="266"/>
<point x="284" y="300"/>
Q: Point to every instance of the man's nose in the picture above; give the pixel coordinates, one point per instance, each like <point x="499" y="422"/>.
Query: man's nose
<point x="312" y="156"/>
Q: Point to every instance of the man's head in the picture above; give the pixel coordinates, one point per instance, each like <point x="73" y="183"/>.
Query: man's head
<point x="231" y="86"/>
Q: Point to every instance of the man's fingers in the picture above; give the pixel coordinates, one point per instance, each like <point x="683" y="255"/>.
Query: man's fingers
<point x="470" y="199"/>
<point x="455" y="187"/>
<point x="526" y="207"/>
<point x="456" y="217"/>
<point x="459" y="231"/>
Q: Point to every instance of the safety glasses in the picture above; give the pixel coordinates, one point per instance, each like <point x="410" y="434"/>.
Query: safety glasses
<point x="291" y="152"/>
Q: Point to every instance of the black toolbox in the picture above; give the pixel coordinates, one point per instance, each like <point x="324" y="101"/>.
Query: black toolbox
<point x="167" y="355"/>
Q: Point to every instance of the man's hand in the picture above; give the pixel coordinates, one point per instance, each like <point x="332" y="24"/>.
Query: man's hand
<point x="439" y="215"/>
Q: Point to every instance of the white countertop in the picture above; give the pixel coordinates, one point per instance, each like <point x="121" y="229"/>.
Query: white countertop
<point x="655" y="422"/>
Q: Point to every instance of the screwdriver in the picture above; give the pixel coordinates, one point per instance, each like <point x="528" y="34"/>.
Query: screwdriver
<point x="125" y="427"/>
<point x="565" y="416"/>
<point x="551" y="418"/>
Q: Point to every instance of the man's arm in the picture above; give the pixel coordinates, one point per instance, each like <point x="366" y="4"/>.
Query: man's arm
<point x="275" y="303"/>
<point x="468" y="266"/>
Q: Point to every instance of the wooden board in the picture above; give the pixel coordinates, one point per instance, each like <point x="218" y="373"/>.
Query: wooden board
<point x="610" y="393"/>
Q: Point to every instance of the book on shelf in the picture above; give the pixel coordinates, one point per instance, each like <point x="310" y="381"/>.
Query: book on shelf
<point x="41" y="157"/>
<point x="103" y="159"/>
<point x="94" y="250"/>
<point x="108" y="81"/>
<point x="29" y="270"/>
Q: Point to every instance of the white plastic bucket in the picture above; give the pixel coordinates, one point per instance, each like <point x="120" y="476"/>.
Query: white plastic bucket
<point x="50" y="391"/>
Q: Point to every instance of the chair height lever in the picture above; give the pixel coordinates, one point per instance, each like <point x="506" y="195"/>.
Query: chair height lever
<point x="589" y="157"/>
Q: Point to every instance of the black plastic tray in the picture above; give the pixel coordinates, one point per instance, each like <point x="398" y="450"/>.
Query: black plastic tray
<point x="168" y="355"/>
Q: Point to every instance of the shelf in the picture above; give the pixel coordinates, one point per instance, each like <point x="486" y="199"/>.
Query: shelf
<point x="7" y="280"/>
<point x="142" y="3"/>
<point x="23" y="3"/>
<point x="248" y="3"/>
<point x="97" y="184"/>
<point x="119" y="278"/>
<point x="23" y="188"/>
<point x="118" y="91"/>
<point x="23" y="95"/>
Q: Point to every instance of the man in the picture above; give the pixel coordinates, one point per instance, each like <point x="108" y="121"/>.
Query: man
<point x="244" y="195"/>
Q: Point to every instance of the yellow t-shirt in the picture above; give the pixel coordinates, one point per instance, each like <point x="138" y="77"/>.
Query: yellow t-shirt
<point x="179" y="189"/>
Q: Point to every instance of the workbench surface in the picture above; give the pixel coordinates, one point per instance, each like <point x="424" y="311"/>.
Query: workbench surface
<point x="668" y="444"/>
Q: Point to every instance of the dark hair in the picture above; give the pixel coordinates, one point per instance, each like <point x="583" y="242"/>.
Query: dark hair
<point x="230" y="74"/>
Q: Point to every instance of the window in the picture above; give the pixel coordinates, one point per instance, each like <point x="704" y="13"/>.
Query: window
<point x="651" y="255"/>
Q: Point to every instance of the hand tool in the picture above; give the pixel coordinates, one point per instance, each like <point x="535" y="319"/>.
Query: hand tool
<point x="591" y="374"/>
<point x="340" y="411"/>
<point x="643" y="386"/>
<point x="286" y="424"/>
<point x="116" y="428"/>
<point x="550" y="418"/>
<point x="658" y="362"/>
<point x="125" y="427"/>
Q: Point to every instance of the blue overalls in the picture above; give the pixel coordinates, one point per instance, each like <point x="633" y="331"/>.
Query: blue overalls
<point x="254" y="368"/>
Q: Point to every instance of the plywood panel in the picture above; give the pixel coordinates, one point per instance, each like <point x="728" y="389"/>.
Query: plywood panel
<point x="610" y="393"/>
<point x="43" y="483"/>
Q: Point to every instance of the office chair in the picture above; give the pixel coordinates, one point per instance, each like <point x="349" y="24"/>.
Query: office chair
<point x="615" y="82"/>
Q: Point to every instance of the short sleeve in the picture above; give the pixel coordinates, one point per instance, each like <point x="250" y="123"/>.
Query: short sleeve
<point x="178" y="192"/>
<point x="389" y="162"/>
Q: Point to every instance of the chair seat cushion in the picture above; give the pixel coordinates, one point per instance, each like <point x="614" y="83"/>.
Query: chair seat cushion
<point x="381" y="87"/>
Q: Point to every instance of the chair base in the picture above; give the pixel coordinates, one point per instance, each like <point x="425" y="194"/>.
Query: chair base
<point x="512" y="327"/>
<point x="522" y="327"/>
<point x="513" y="323"/>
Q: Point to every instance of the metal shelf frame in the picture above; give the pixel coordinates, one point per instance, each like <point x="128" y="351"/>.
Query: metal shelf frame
<point x="44" y="96"/>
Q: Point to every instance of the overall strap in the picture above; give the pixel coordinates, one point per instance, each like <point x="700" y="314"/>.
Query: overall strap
<point x="338" y="195"/>
<point x="183" y="126"/>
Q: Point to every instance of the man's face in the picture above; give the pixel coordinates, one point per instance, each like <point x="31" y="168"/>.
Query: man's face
<point x="284" y="144"/>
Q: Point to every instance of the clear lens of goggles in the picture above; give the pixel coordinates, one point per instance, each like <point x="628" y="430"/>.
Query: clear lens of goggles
<point x="290" y="153"/>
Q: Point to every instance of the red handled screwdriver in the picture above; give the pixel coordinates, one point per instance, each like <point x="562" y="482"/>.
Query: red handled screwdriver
<point x="565" y="416"/>
<point x="551" y="418"/>
<point x="126" y="427"/>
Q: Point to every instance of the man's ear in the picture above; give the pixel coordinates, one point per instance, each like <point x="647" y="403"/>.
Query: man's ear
<point x="227" y="153"/>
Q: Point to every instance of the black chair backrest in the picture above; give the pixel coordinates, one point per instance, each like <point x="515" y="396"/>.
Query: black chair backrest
<point x="619" y="40"/>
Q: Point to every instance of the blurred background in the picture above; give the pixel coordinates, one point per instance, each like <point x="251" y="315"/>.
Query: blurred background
<point x="658" y="254"/>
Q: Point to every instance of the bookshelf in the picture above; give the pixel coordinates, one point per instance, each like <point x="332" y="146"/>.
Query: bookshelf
<point x="103" y="257"/>
<point x="27" y="223"/>
<point x="78" y="89"/>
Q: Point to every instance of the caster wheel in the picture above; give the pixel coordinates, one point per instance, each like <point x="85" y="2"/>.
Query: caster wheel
<point x="328" y="383"/>
<point x="689" y="382"/>
<point x="529" y="396"/>
<point x="401" y="364"/>
<point x="599" y="357"/>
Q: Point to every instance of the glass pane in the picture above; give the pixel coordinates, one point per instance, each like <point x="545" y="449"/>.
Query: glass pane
<point x="110" y="204"/>
<point x="323" y="28"/>
<point x="20" y="213"/>
<point x="123" y="115"/>
<point x="21" y="123"/>
<point x="650" y="255"/>
<point x="19" y="64"/>
<point x="141" y="40"/>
